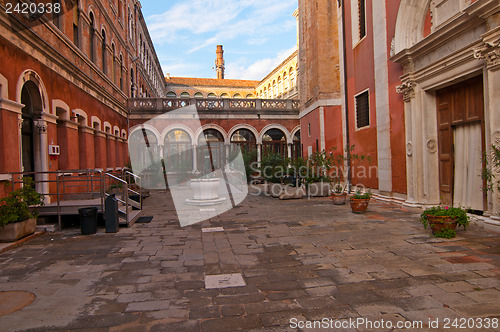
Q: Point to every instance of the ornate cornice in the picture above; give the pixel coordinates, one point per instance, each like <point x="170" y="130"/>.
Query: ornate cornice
<point x="407" y="89"/>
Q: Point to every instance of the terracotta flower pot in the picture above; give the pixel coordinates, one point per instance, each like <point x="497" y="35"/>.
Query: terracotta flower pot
<point x="440" y="223"/>
<point x="359" y="205"/>
<point x="339" y="199"/>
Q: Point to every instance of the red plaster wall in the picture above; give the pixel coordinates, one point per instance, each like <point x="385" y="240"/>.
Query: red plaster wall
<point x="361" y="76"/>
<point x="9" y="141"/>
<point x="333" y="128"/>
<point x="87" y="153"/>
<point x="307" y="141"/>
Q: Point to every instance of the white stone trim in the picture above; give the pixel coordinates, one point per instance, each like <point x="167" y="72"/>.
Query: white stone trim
<point x="11" y="106"/>
<point x="320" y="103"/>
<point x="178" y="126"/>
<point x="382" y="109"/>
<point x="200" y="130"/>
<point x="276" y="126"/>
<point x="245" y="126"/>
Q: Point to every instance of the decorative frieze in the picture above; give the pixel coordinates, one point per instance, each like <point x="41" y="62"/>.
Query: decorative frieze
<point x="407" y="89"/>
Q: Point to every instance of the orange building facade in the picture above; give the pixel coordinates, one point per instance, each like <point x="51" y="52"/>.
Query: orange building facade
<point x="416" y="90"/>
<point x="63" y="94"/>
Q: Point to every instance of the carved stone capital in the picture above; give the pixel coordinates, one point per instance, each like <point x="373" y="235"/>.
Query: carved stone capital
<point x="407" y="89"/>
<point x="41" y="128"/>
<point x="490" y="53"/>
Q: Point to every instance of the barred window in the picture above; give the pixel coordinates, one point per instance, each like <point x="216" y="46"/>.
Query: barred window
<point x="362" y="110"/>
<point x="362" y="18"/>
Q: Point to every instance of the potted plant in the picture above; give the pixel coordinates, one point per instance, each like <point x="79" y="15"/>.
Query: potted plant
<point x="359" y="201"/>
<point x="338" y="194"/>
<point x="17" y="219"/>
<point x="444" y="220"/>
<point x="317" y="180"/>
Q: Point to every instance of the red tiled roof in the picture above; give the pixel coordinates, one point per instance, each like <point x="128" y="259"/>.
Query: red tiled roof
<point x="193" y="81"/>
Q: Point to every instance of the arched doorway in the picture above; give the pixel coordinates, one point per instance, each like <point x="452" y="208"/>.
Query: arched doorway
<point x="274" y="141"/>
<point x="177" y="151"/>
<point x="31" y="98"/>
<point x="210" y="151"/>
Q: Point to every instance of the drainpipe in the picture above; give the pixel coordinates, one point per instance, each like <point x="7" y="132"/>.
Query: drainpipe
<point x="346" y="97"/>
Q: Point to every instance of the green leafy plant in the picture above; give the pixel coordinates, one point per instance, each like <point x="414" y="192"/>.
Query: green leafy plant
<point x="459" y="214"/>
<point x="274" y="167"/>
<point x="338" y="188"/>
<point x="491" y="167"/>
<point x="360" y="195"/>
<point x="15" y="207"/>
<point x="446" y="233"/>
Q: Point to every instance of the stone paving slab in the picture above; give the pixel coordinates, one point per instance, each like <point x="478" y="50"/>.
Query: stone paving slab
<point x="302" y="260"/>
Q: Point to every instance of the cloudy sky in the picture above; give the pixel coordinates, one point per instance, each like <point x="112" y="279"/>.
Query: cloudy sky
<point x="256" y="34"/>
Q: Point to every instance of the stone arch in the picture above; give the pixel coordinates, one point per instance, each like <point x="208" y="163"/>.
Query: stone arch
<point x="95" y="123"/>
<point x="254" y="131"/>
<point x="60" y="109"/>
<point x="409" y="30"/>
<point x="107" y="127"/>
<point x="147" y="127"/>
<point x="179" y="126"/>
<point x="30" y="75"/>
<point x="276" y="126"/>
<point x="211" y="126"/>
<point x="124" y="134"/>
<point x="294" y="131"/>
<point x="116" y="131"/>
<point x="82" y="117"/>
<point x="4" y="87"/>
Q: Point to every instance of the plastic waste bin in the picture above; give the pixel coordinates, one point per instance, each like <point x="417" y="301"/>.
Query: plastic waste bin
<point x="111" y="214"/>
<point x="88" y="220"/>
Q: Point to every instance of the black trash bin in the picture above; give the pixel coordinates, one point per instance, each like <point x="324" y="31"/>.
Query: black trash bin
<point x="111" y="214"/>
<point x="88" y="220"/>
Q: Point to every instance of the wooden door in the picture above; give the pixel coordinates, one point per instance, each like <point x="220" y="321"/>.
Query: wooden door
<point x="457" y="105"/>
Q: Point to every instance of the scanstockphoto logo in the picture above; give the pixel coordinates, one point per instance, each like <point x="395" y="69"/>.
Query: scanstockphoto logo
<point x="205" y="176"/>
<point x="26" y="14"/>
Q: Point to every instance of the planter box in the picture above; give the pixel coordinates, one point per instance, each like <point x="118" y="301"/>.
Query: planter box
<point x="275" y="189"/>
<point x="18" y="230"/>
<point x="319" y="189"/>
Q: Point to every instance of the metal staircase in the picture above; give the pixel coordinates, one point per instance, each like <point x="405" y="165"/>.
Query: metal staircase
<point x="67" y="191"/>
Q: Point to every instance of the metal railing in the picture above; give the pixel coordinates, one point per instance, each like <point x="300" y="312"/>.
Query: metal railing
<point x="58" y="186"/>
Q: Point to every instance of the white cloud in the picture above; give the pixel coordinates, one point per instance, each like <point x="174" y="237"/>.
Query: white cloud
<point x="204" y="22"/>
<point x="257" y="70"/>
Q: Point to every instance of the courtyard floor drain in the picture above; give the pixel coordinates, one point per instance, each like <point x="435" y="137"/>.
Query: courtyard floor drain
<point x="212" y="229"/>
<point x="224" y="281"/>
<point x="13" y="301"/>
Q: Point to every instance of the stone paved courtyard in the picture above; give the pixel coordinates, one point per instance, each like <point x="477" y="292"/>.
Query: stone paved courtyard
<point x="301" y="260"/>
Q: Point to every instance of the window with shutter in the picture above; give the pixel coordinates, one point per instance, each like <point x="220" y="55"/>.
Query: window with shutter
<point x="362" y="110"/>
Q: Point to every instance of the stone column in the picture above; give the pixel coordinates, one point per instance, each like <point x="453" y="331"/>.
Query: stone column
<point x="195" y="158"/>
<point x="490" y="53"/>
<point x="407" y="89"/>
<point x="259" y="154"/>
<point x="41" y="148"/>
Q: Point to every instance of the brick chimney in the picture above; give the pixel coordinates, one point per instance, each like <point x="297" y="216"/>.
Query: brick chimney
<point x="219" y="63"/>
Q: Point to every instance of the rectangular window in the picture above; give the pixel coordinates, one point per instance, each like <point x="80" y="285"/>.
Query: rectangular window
<point x="362" y="18"/>
<point x="362" y="110"/>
